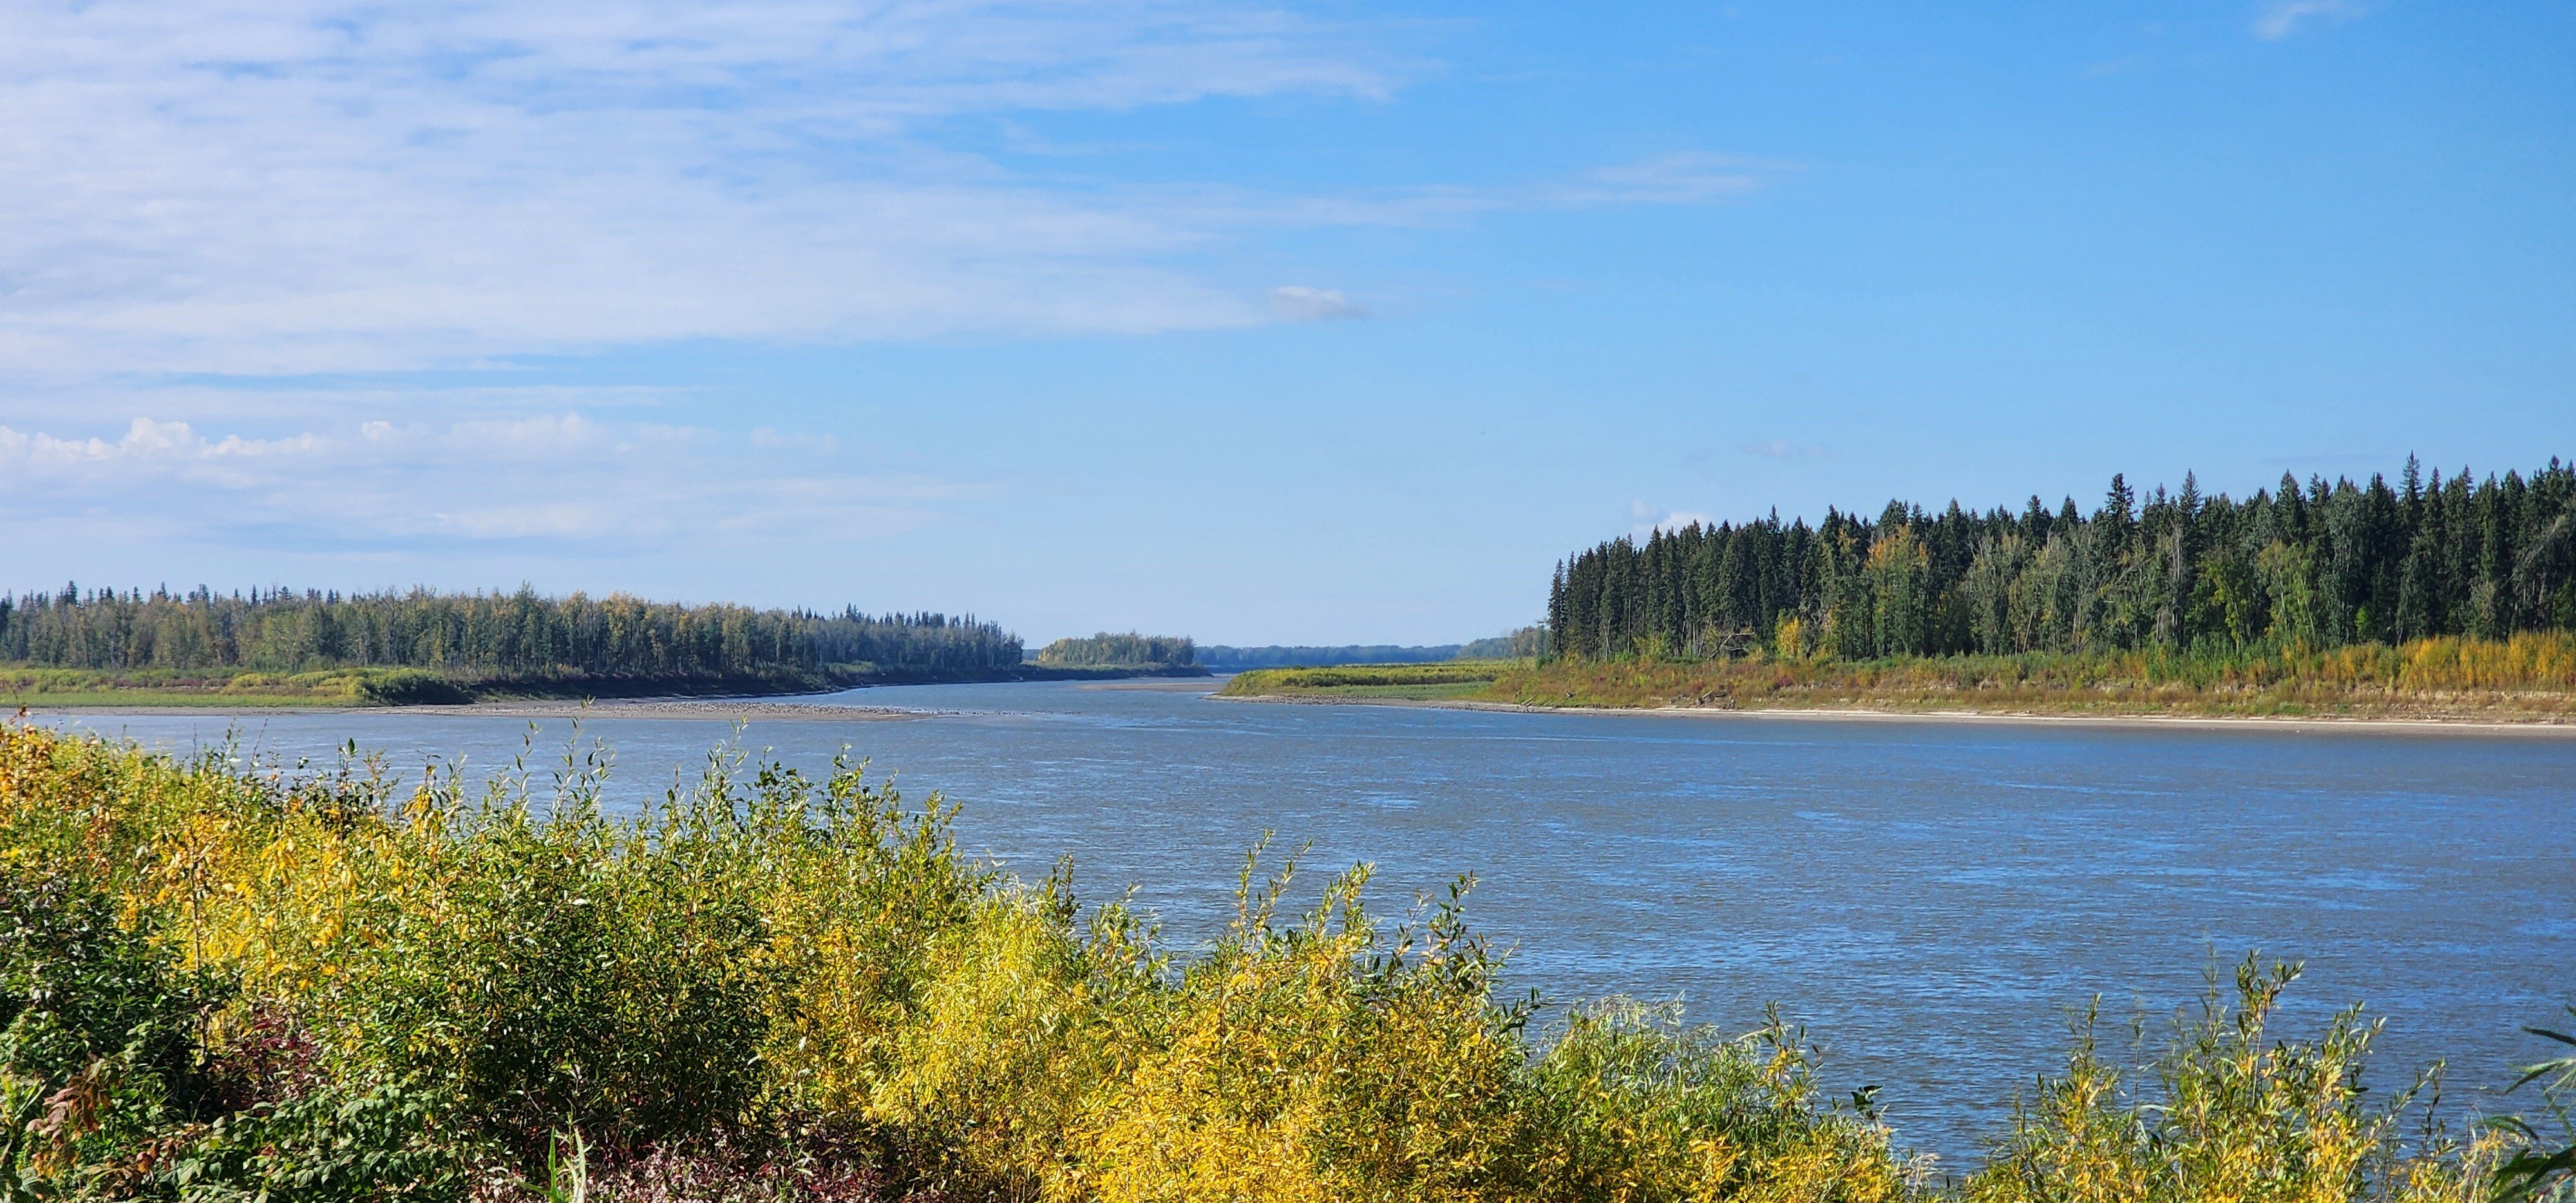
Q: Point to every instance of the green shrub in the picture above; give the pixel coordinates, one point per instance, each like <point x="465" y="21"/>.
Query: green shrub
<point x="379" y="1141"/>
<point x="98" y="1037"/>
<point x="77" y="986"/>
<point x="411" y="687"/>
<point x="2237" y="1115"/>
<point x="223" y="985"/>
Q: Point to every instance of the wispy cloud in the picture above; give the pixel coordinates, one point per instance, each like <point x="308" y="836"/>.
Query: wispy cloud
<point x="1673" y="179"/>
<point x="2283" y="17"/>
<point x="1649" y="518"/>
<point x="299" y="185"/>
<point x="389" y="485"/>
<point x="1783" y="449"/>
<point x="1297" y="303"/>
<point x="287" y="186"/>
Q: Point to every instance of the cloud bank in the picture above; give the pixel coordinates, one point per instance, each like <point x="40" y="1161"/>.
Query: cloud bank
<point x="292" y="186"/>
<point x="298" y="185"/>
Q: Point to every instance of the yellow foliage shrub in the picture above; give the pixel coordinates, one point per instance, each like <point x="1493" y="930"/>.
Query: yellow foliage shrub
<point x="764" y="960"/>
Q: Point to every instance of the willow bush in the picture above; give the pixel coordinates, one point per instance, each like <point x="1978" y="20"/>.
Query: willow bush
<point x="224" y="982"/>
<point x="2240" y="1117"/>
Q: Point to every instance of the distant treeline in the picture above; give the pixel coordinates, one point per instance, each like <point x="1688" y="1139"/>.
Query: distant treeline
<point x="483" y="635"/>
<point x="1131" y="650"/>
<point x="1523" y="643"/>
<point x="2315" y="566"/>
<point x="1235" y="658"/>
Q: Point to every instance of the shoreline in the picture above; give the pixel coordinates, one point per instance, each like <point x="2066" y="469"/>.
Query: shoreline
<point x="611" y="708"/>
<point x="772" y="708"/>
<point x="2553" y="726"/>
<point x="538" y="705"/>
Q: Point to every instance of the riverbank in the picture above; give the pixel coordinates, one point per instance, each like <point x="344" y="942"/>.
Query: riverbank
<point x="766" y="709"/>
<point x="2537" y="727"/>
<point x="163" y="690"/>
<point x="2528" y="681"/>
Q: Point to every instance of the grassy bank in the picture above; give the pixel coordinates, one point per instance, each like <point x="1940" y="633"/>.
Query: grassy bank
<point x="68" y="688"/>
<point x="1472" y="679"/>
<point x="217" y="984"/>
<point x="57" y="688"/>
<point x="2527" y="678"/>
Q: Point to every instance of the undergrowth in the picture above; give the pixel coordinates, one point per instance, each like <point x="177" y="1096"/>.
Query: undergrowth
<point x="230" y="984"/>
<point x="2527" y="676"/>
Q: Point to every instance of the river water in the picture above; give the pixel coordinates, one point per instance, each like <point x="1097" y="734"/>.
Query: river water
<point x="1932" y="898"/>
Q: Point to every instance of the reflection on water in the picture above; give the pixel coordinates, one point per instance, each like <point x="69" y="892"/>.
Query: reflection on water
<point x="1930" y="898"/>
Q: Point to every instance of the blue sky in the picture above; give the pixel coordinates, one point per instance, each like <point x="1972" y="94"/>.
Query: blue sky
<point x="1258" y="323"/>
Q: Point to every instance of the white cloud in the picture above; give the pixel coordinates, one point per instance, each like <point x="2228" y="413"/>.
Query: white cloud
<point x="1649" y="518"/>
<point x="389" y="485"/>
<point x="1783" y="449"/>
<point x="291" y="185"/>
<point x="1294" y="303"/>
<point x="2283" y="17"/>
<point x="1672" y="179"/>
<point x="36" y="455"/>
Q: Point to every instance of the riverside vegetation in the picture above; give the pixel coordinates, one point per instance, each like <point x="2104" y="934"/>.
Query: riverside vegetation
<point x="2530" y="677"/>
<point x="282" y="647"/>
<point x="2431" y="598"/>
<point x="230" y="982"/>
<point x="1160" y="655"/>
<point x="2320" y="566"/>
<point x="1527" y="641"/>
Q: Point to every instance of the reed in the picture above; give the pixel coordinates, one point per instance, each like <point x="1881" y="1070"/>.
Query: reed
<point x="221" y="981"/>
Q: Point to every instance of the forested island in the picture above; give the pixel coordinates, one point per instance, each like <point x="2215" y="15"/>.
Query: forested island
<point x="1150" y="655"/>
<point x="284" y="646"/>
<point x="2431" y="597"/>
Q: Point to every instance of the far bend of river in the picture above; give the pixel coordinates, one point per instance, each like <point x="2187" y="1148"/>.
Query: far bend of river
<point x="1933" y="899"/>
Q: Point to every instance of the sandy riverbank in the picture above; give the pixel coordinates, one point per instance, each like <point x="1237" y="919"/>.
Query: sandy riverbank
<point x="2543" y="725"/>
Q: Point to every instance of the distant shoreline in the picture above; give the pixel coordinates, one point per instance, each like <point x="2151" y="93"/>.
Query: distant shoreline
<point x="772" y="707"/>
<point x="2551" y="725"/>
<point x="543" y="696"/>
<point x="764" y="707"/>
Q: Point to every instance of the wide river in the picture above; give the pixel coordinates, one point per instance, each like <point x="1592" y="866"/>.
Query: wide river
<point x="1931" y="898"/>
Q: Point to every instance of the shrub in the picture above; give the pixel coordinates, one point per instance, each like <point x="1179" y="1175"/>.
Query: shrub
<point x="2236" y="1118"/>
<point x="374" y="1141"/>
<point x="235" y="984"/>
<point x="1636" y="1106"/>
<point x="1313" y="1062"/>
<point x="411" y="687"/>
<point x="77" y="986"/>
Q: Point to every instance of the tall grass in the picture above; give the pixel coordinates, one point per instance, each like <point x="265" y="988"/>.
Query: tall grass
<point x="219" y="983"/>
<point x="2531" y="675"/>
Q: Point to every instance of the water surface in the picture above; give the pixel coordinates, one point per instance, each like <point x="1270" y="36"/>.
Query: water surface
<point x="1931" y="898"/>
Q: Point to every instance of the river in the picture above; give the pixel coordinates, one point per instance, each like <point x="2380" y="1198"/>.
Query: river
<point x="1932" y="898"/>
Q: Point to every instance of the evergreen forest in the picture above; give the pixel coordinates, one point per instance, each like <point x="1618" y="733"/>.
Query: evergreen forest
<point x="483" y="636"/>
<point x="2300" y="566"/>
